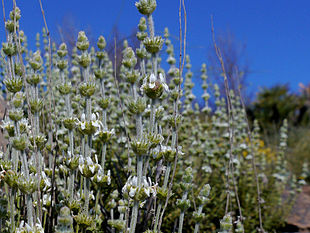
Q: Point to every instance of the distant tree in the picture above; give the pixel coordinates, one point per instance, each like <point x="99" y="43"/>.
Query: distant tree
<point x="235" y="60"/>
<point x="116" y="36"/>
<point x="68" y="31"/>
<point x="304" y="112"/>
<point x="273" y="105"/>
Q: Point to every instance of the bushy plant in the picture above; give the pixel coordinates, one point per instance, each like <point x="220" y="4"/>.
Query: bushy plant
<point x="91" y="152"/>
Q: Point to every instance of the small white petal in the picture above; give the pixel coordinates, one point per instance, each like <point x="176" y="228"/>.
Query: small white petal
<point x="83" y="117"/>
<point x="147" y="191"/>
<point x="81" y="168"/>
<point x="161" y="78"/>
<point x="152" y="78"/>
<point x="132" y="192"/>
<point x="92" y="168"/>
<point x="96" y="124"/>
<point x="81" y="160"/>
<point x="165" y="86"/>
<point x="89" y="161"/>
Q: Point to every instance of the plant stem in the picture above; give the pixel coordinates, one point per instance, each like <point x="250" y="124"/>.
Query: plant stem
<point x="198" y="223"/>
<point x="135" y="209"/>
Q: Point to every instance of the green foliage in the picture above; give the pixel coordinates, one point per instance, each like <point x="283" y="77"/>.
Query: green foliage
<point x="273" y="105"/>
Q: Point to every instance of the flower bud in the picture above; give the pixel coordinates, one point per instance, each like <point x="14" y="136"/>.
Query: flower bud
<point x="20" y="143"/>
<point x="62" y="64"/>
<point x="140" y="147"/>
<point x="84" y="60"/>
<point x="36" y="105"/>
<point x="9" y="49"/>
<point x="62" y="50"/>
<point x="18" y="100"/>
<point x="162" y="193"/>
<point x="33" y="79"/>
<point x="69" y="123"/>
<point x="103" y="103"/>
<point x="101" y="42"/>
<point x="141" y="35"/>
<point x="87" y="89"/>
<point x="132" y="76"/>
<point x="13" y="84"/>
<point x="226" y="223"/>
<point x="83" y="220"/>
<point x="64" y="88"/>
<point x="9" y="127"/>
<point x="146" y="7"/>
<point x="36" y="61"/>
<point x="153" y="45"/>
<point x="64" y="221"/>
<point x="118" y="224"/>
<point x="15" y="15"/>
<point x="183" y="204"/>
<point x="16" y="114"/>
<point x="137" y="107"/>
<point x="10" y="26"/>
<point x="82" y="41"/>
<point x="72" y="162"/>
<point x="130" y="59"/>
<point x="142" y="24"/>
<point x="141" y="53"/>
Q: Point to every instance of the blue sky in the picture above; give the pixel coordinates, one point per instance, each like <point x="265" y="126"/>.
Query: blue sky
<point x="276" y="32"/>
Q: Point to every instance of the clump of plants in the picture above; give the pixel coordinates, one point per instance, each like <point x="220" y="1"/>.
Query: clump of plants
<point x="95" y="149"/>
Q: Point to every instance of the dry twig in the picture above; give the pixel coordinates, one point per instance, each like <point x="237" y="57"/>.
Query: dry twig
<point x="231" y="119"/>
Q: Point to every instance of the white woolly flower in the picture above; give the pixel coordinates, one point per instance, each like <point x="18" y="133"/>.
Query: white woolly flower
<point x="75" y="70"/>
<point x="207" y="169"/>
<point x="104" y="134"/>
<point x="100" y="177"/>
<point x="24" y="122"/>
<point x="279" y="177"/>
<point x="151" y="81"/>
<point x="25" y="228"/>
<point x="94" y="121"/>
<point x="88" y="167"/>
<point x="46" y="199"/>
<point x="60" y="132"/>
<point x="132" y="191"/>
<point x="109" y="177"/>
<point x="243" y="146"/>
<point x="131" y="187"/>
<point x="162" y="80"/>
<point x="91" y="195"/>
<point x="6" y="123"/>
<point x="47" y="181"/>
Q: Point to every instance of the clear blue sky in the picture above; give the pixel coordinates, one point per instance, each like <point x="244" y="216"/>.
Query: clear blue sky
<point x="277" y="32"/>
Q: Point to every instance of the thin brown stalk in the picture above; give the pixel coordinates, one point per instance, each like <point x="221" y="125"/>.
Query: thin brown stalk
<point x="175" y="113"/>
<point x="50" y="61"/>
<point x="61" y="34"/>
<point x="3" y="10"/>
<point x="230" y="115"/>
<point x="49" y="77"/>
<point x="259" y="200"/>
